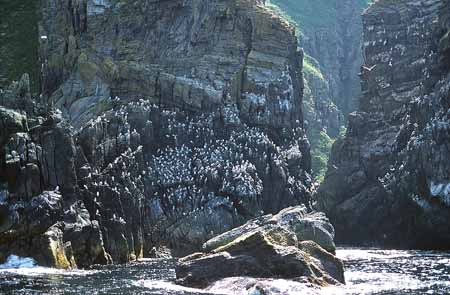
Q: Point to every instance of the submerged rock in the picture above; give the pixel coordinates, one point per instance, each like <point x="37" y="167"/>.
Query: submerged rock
<point x="267" y="247"/>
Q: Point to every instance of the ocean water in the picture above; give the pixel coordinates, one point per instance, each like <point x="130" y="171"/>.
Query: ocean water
<point x="368" y="271"/>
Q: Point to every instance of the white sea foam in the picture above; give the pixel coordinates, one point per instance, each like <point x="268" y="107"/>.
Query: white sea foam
<point x="234" y="286"/>
<point x="28" y="267"/>
<point x="251" y="286"/>
<point x="368" y="254"/>
<point x="14" y="262"/>
<point x="370" y="283"/>
<point x="389" y="271"/>
<point x="164" y="286"/>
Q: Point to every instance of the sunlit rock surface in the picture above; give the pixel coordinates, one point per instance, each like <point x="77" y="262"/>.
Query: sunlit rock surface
<point x="273" y="246"/>
<point x="387" y="181"/>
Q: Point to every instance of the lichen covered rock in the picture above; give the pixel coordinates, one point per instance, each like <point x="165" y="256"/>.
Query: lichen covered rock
<point x="261" y="250"/>
<point x="287" y="228"/>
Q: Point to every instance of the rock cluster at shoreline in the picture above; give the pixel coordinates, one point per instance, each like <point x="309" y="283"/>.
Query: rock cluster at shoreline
<point x="288" y="245"/>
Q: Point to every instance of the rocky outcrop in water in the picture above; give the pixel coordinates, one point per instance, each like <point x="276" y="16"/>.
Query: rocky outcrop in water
<point x="388" y="179"/>
<point x="286" y="245"/>
<point x="180" y="120"/>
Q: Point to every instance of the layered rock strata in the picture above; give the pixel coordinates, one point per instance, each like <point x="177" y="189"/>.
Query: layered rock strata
<point x="189" y="55"/>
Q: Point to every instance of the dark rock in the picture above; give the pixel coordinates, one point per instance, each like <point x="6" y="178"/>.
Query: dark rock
<point x="32" y="229"/>
<point x="38" y="154"/>
<point x="387" y="182"/>
<point x="85" y="236"/>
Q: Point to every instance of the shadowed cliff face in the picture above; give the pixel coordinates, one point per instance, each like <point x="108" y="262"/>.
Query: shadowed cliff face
<point x="180" y="120"/>
<point x="388" y="179"/>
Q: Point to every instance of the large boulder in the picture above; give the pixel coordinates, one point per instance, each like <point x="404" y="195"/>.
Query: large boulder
<point x="295" y="220"/>
<point x="262" y="248"/>
<point x="50" y="249"/>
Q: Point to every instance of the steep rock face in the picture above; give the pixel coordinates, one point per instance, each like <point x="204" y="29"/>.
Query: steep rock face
<point x="207" y="132"/>
<point x="199" y="174"/>
<point x="192" y="55"/>
<point x="40" y="200"/>
<point x="387" y="181"/>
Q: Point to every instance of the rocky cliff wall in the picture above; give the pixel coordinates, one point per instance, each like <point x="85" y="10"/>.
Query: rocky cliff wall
<point x="192" y="55"/>
<point x="387" y="181"/>
<point x="180" y="120"/>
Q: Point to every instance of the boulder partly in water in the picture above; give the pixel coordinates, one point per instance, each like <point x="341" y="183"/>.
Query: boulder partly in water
<point x="267" y="247"/>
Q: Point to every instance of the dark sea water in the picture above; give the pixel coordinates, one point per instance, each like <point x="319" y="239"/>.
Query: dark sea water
<point x="367" y="272"/>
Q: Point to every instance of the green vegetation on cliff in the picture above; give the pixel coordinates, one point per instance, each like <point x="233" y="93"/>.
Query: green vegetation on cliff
<point x="310" y="15"/>
<point x="18" y="41"/>
<point x="320" y="154"/>
<point x="316" y="87"/>
<point x="320" y="141"/>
